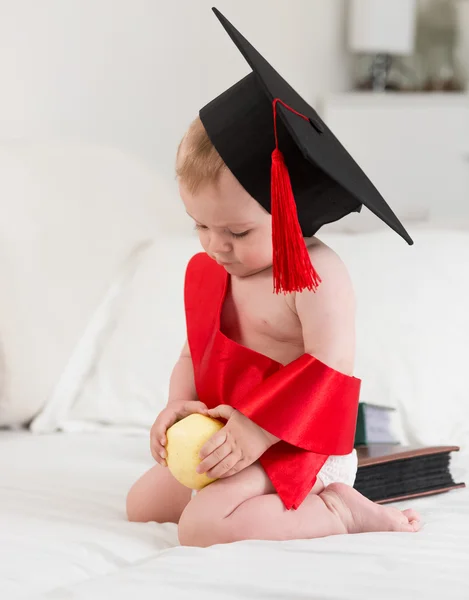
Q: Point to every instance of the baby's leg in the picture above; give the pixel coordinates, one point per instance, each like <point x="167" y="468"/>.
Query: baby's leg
<point x="245" y="506"/>
<point x="157" y="496"/>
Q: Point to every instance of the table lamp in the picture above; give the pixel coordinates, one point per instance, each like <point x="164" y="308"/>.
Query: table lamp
<point x="383" y="29"/>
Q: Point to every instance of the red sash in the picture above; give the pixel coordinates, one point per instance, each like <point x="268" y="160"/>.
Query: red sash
<point x="309" y="406"/>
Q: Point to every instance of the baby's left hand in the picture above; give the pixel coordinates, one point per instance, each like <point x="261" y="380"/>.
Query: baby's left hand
<point x="239" y="444"/>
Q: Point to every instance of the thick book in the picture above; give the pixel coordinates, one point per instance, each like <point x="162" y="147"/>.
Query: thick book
<point x="388" y="473"/>
<point x="375" y="425"/>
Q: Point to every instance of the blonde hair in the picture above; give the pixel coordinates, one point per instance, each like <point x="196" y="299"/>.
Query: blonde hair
<point x="197" y="160"/>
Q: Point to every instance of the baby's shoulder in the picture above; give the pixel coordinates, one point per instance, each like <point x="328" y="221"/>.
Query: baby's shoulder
<point x="332" y="270"/>
<point x="320" y="251"/>
<point x="324" y="258"/>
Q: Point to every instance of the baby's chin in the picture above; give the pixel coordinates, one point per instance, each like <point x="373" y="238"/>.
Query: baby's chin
<point x="242" y="270"/>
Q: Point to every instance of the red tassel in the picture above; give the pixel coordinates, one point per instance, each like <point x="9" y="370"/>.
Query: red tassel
<point x="292" y="268"/>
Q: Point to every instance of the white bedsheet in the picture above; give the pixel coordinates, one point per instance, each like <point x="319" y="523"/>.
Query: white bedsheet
<point x="63" y="535"/>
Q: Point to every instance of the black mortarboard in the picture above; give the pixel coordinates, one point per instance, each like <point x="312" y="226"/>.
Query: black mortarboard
<point x="326" y="182"/>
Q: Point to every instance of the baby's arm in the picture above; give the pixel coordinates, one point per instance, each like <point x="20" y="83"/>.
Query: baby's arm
<point x="182" y="401"/>
<point x="181" y="384"/>
<point x="328" y="316"/>
<point x="156" y="495"/>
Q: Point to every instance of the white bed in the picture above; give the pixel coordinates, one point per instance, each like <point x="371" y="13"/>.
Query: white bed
<point x="63" y="534"/>
<point x="90" y="326"/>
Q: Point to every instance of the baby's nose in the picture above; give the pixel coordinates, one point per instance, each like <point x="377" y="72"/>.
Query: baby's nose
<point x="219" y="245"/>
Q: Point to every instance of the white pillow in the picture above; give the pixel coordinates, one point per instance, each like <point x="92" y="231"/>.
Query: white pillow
<point x="413" y="327"/>
<point x="120" y="373"/>
<point x="71" y="215"/>
<point x="412" y="331"/>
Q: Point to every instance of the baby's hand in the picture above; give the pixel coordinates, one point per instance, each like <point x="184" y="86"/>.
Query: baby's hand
<point x="239" y="444"/>
<point x="174" y="412"/>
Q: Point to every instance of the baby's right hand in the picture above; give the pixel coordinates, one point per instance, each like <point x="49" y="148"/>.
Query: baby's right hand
<point x="174" y="412"/>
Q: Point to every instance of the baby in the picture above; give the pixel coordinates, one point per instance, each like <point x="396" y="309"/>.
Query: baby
<point x="276" y="368"/>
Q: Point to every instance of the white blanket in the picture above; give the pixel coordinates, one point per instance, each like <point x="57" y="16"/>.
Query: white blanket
<point x="63" y="535"/>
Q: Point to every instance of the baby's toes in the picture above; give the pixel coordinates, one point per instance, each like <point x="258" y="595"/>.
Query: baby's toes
<point x="413" y="519"/>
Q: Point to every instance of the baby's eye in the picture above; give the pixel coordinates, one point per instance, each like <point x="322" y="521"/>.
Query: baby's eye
<point x="198" y="226"/>
<point x="240" y="235"/>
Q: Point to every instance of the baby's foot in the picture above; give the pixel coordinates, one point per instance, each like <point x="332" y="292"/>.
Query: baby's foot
<point x="360" y="515"/>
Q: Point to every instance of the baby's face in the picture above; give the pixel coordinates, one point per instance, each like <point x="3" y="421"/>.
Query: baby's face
<point x="233" y="228"/>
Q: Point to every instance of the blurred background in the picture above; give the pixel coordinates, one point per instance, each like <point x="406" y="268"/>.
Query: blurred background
<point x="95" y="97"/>
<point x="131" y="75"/>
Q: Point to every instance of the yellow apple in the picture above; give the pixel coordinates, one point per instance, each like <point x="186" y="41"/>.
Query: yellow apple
<point x="184" y="442"/>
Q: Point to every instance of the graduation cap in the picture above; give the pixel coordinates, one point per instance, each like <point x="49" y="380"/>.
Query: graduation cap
<point x="285" y="157"/>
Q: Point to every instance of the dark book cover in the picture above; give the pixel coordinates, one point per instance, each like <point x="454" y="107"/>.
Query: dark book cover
<point x="387" y="473"/>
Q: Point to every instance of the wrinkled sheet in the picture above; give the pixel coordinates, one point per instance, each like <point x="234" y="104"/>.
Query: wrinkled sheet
<point x="63" y="534"/>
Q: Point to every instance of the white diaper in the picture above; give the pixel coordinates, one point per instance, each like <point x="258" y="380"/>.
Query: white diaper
<point x="339" y="469"/>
